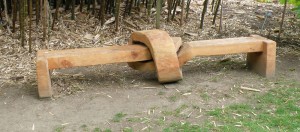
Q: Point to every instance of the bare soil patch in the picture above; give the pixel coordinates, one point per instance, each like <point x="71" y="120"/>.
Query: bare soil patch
<point x="90" y="97"/>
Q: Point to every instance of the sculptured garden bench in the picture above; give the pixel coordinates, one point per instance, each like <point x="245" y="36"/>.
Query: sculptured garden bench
<point x="155" y="50"/>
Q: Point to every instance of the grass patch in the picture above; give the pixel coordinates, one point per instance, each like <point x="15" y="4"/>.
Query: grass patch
<point x="161" y="93"/>
<point x="205" y="96"/>
<point x="276" y="110"/>
<point x="173" y="98"/>
<point x="118" y="117"/>
<point x="97" y="130"/>
<point x="59" y="129"/>
<point x="107" y="130"/>
<point x="127" y="129"/>
<point x="176" y="112"/>
<point x="184" y="127"/>
<point x="133" y="119"/>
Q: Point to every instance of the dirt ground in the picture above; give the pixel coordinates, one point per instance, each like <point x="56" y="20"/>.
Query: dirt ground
<point x="87" y="98"/>
<point x="100" y="92"/>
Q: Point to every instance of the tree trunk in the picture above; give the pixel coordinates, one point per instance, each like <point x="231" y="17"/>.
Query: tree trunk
<point x="94" y="7"/>
<point x="170" y="3"/>
<point x="45" y="20"/>
<point x="149" y="6"/>
<point x="0" y="9"/>
<point x="73" y="10"/>
<point x="216" y="12"/>
<point x="205" y="3"/>
<point x="102" y="12"/>
<point x="88" y="5"/>
<point x="117" y="15"/>
<point x="158" y="11"/>
<point x="130" y="8"/>
<point x="37" y="11"/>
<point x="30" y="23"/>
<point x="221" y="17"/>
<point x="212" y="5"/>
<point x="14" y="15"/>
<point x="6" y="16"/>
<point x="22" y="21"/>
<point x="81" y="5"/>
<point x="56" y="13"/>
<point x="282" y="19"/>
<point x="126" y="8"/>
<point x="187" y="8"/>
<point x="182" y="12"/>
<point x="175" y="3"/>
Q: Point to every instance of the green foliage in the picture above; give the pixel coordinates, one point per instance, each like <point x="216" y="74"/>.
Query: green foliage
<point x="296" y="3"/>
<point x="118" y="117"/>
<point x="276" y="110"/>
<point x="184" y="127"/>
<point x="127" y="129"/>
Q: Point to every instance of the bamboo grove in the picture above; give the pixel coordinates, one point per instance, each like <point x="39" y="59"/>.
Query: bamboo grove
<point x="26" y="13"/>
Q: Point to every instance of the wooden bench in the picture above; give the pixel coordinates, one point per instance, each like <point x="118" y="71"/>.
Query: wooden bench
<point x="155" y="50"/>
<point x="49" y="60"/>
<point x="261" y="52"/>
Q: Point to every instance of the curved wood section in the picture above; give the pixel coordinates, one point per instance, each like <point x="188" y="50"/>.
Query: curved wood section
<point x="149" y="64"/>
<point x="163" y="53"/>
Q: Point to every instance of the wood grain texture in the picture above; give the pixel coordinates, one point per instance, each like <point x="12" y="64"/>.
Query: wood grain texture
<point x="150" y="65"/>
<point x="155" y="50"/>
<point x="163" y="52"/>
<point x="43" y="76"/>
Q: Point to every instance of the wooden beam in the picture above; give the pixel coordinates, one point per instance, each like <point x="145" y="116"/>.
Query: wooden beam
<point x="220" y="47"/>
<point x="95" y="56"/>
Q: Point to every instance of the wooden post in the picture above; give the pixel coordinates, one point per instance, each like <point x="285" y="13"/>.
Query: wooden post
<point x="264" y="62"/>
<point x="43" y="76"/>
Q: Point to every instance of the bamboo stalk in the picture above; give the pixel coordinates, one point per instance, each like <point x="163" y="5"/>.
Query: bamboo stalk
<point x="117" y="15"/>
<point x="212" y="5"/>
<point x="205" y="3"/>
<point x="45" y="20"/>
<point x="81" y="5"/>
<point x="158" y="11"/>
<point x="30" y="23"/>
<point x="282" y="19"/>
<point x="149" y="6"/>
<point x="130" y="8"/>
<point x="56" y="13"/>
<point x="94" y="7"/>
<point x="14" y="15"/>
<point x="221" y="17"/>
<point x="37" y="11"/>
<point x="216" y="12"/>
<point x="170" y="3"/>
<point x="102" y="12"/>
<point x="7" y="17"/>
<point x="88" y="5"/>
<point x="73" y="10"/>
<point x="182" y="13"/>
<point x="174" y="8"/>
<point x="187" y="8"/>
<point x="22" y="21"/>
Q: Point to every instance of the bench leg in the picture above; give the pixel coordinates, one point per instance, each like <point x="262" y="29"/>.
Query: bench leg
<point x="264" y="62"/>
<point x="43" y="77"/>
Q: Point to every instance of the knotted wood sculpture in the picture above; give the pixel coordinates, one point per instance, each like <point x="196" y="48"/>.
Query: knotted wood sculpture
<point x="155" y="50"/>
